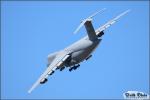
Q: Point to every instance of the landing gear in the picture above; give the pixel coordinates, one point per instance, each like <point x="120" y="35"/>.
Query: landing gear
<point x="70" y="69"/>
<point x="74" y="67"/>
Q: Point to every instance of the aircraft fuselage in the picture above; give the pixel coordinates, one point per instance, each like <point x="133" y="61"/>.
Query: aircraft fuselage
<point x="81" y="49"/>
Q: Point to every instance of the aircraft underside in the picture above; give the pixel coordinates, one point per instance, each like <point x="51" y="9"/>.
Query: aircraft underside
<point x="78" y="51"/>
<point x="79" y="56"/>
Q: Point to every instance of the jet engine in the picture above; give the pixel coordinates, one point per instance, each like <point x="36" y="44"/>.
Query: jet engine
<point x="100" y="34"/>
<point x="43" y="81"/>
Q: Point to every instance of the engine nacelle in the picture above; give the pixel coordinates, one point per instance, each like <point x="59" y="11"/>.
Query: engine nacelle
<point x="100" y="34"/>
<point x="43" y="81"/>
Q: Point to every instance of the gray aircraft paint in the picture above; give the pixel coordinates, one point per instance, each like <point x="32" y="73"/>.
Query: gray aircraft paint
<point x="77" y="52"/>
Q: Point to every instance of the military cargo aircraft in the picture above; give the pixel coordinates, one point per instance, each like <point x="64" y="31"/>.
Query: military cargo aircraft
<point x="79" y="51"/>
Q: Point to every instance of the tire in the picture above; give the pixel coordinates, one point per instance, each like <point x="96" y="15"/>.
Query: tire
<point x="70" y="69"/>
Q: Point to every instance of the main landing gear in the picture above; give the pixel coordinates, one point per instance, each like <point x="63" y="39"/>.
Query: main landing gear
<point x="74" y="67"/>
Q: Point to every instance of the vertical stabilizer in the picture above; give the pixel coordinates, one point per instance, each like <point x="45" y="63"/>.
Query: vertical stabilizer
<point x="90" y="30"/>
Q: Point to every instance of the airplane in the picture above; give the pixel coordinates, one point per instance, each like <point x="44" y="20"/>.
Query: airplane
<point x="79" y="51"/>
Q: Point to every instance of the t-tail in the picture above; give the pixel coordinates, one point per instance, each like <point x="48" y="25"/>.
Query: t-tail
<point x="88" y="25"/>
<point x="90" y="30"/>
<point x="92" y="33"/>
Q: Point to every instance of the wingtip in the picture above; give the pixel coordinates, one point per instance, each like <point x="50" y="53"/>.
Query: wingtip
<point x="101" y="10"/>
<point x="74" y="32"/>
<point x="104" y="9"/>
<point x="128" y="10"/>
<point x="29" y="91"/>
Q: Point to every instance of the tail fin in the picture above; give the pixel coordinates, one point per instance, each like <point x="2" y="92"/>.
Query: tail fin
<point x="90" y="30"/>
<point x="90" y="17"/>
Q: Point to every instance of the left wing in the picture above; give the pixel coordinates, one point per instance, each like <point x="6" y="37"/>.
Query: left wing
<point x="58" y="61"/>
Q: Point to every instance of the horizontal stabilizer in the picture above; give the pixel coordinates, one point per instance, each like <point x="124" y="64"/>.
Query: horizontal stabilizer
<point x="90" y="17"/>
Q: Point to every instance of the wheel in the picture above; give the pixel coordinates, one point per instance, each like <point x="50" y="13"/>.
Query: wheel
<point x="70" y="69"/>
<point x="75" y="67"/>
<point x="78" y="66"/>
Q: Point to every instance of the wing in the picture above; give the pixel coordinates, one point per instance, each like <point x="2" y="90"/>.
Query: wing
<point x="59" y="59"/>
<point x="109" y="23"/>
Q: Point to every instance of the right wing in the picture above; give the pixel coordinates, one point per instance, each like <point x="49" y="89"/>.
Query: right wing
<point x="59" y="59"/>
<point x="109" y="23"/>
